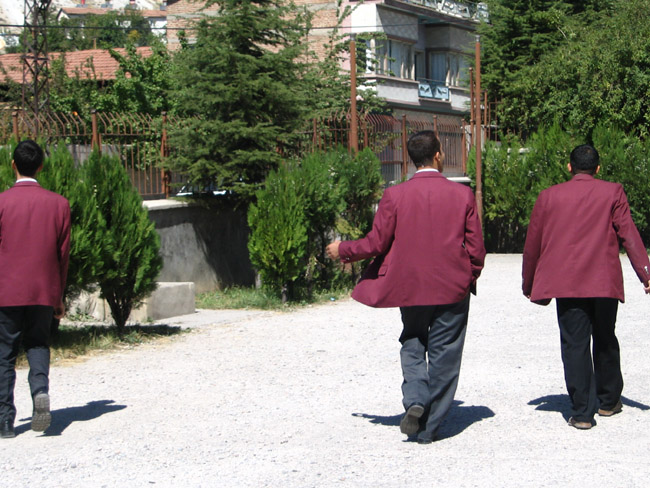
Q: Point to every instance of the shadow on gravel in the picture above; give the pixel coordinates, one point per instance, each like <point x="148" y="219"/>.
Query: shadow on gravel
<point x="562" y="404"/>
<point x="61" y="419"/>
<point x="458" y="419"/>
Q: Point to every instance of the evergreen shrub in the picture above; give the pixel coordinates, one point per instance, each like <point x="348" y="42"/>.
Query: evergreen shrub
<point x="130" y="257"/>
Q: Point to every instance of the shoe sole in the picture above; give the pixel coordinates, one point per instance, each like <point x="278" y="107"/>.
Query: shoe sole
<point x="410" y="423"/>
<point x="608" y="413"/>
<point x="41" y="417"/>
<point x="580" y="425"/>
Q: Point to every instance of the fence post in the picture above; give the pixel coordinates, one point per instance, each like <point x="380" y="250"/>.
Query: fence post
<point x="405" y="160"/>
<point x="164" y="174"/>
<point x="464" y="147"/>
<point x="364" y="125"/>
<point x="314" y="137"/>
<point x="435" y="126"/>
<point x="95" y="144"/>
<point x="14" y="117"/>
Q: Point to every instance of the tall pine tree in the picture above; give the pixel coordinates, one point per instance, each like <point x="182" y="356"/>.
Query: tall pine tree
<point x="239" y="88"/>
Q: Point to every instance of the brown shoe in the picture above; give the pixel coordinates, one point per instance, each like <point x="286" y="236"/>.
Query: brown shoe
<point x="579" y="424"/>
<point x="603" y="412"/>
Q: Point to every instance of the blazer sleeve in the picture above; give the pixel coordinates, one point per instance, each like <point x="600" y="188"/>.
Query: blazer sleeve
<point x="64" y="245"/>
<point x="379" y="239"/>
<point x="532" y="246"/>
<point x="474" y="239"/>
<point x="629" y="236"/>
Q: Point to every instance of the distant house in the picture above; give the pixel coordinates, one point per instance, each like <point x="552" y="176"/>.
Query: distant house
<point x="157" y="18"/>
<point x="92" y="64"/>
<point x="421" y="67"/>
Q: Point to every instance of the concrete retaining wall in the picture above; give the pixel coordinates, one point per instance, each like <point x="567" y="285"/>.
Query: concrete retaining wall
<point x="202" y="242"/>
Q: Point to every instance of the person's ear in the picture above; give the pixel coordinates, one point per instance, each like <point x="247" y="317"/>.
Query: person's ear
<point x="597" y="169"/>
<point x="569" y="167"/>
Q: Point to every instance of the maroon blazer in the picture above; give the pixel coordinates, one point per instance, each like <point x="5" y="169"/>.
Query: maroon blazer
<point x="34" y="245"/>
<point x="572" y="244"/>
<point x="428" y="241"/>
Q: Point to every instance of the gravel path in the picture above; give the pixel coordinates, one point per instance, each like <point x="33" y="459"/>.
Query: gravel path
<point x="312" y="398"/>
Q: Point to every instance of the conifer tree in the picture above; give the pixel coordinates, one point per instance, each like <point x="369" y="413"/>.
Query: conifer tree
<point x="240" y="86"/>
<point x="130" y="254"/>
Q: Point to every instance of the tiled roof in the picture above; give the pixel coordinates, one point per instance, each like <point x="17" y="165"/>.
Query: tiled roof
<point x="100" y="11"/>
<point x="75" y="61"/>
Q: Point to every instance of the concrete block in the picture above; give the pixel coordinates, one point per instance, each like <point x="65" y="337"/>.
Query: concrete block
<point x="170" y="299"/>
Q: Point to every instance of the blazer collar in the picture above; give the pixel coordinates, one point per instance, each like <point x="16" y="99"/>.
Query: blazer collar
<point x="26" y="183"/>
<point x="428" y="174"/>
<point x="583" y="177"/>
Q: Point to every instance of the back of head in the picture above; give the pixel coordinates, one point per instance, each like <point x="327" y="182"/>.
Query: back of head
<point x="28" y="157"/>
<point x="422" y="147"/>
<point x="584" y="159"/>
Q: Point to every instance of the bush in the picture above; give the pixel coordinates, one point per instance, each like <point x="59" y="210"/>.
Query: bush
<point x="301" y="208"/>
<point x="278" y="239"/>
<point x="513" y="177"/>
<point x="130" y="260"/>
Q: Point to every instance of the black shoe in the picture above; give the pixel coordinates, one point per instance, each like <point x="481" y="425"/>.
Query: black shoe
<point x="7" y="430"/>
<point x="410" y="423"/>
<point x="41" y="417"/>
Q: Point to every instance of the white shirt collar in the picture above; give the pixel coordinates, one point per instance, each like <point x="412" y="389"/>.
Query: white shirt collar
<point x="26" y="179"/>
<point x="426" y="169"/>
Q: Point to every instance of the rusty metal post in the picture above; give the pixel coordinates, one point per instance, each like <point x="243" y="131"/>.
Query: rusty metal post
<point x="164" y="174"/>
<point x="95" y="144"/>
<point x="14" y="117"/>
<point x="464" y="147"/>
<point x="471" y="105"/>
<point x="477" y="92"/>
<point x="354" y="131"/>
<point x="405" y="159"/>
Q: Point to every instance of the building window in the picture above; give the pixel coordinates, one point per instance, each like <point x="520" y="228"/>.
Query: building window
<point x="449" y="69"/>
<point x="394" y="58"/>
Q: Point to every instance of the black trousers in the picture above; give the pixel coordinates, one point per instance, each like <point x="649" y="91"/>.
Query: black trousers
<point x="591" y="382"/>
<point x="31" y="325"/>
<point x="432" y="346"/>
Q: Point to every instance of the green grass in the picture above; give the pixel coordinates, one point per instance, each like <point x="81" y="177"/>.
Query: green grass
<point x="259" y="299"/>
<point x="71" y="342"/>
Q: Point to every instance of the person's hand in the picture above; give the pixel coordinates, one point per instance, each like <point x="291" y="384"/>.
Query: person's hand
<point x="646" y="287"/>
<point x="332" y="250"/>
<point x="59" y="310"/>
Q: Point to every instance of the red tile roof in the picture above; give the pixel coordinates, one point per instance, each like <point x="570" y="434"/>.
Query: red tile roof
<point x="75" y="61"/>
<point x="101" y="11"/>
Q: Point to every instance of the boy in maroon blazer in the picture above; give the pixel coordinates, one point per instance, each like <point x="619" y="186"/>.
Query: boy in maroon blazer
<point x="572" y="254"/>
<point x="34" y="250"/>
<point x="429" y="246"/>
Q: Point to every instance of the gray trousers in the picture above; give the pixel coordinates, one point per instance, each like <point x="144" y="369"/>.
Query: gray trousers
<point x="31" y="326"/>
<point x="432" y="346"/>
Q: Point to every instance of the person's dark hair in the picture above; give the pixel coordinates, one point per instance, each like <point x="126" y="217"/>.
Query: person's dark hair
<point x="28" y="157"/>
<point x="584" y="159"/>
<point x="422" y="147"/>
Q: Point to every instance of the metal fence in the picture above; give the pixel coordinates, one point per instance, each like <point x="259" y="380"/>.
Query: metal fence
<point x="141" y="142"/>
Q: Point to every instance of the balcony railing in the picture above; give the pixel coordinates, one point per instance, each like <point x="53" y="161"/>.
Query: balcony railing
<point x="436" y="90"/>
<point x="465" y="10"/>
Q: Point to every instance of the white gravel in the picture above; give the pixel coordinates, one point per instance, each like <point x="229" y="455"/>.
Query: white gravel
<point x="312" y="398"/>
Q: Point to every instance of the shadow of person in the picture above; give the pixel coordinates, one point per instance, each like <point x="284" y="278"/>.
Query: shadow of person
<point x="62" y="418"/>
<point x="562" y="404"/>
<point x="457" y="420"/>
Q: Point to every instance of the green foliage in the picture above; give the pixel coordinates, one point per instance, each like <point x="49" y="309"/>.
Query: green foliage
<point x="109" y="30"/>
<point x="140" y="86"/>
<point x="305" y="205"/>
<point x="241" y="81"/>
<point x="278" y="239"/>
<point x="513" y="175"/>
<point x="87" y="224"/>
<point x="625" y="159"/>
<point x="130" y="252"/>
